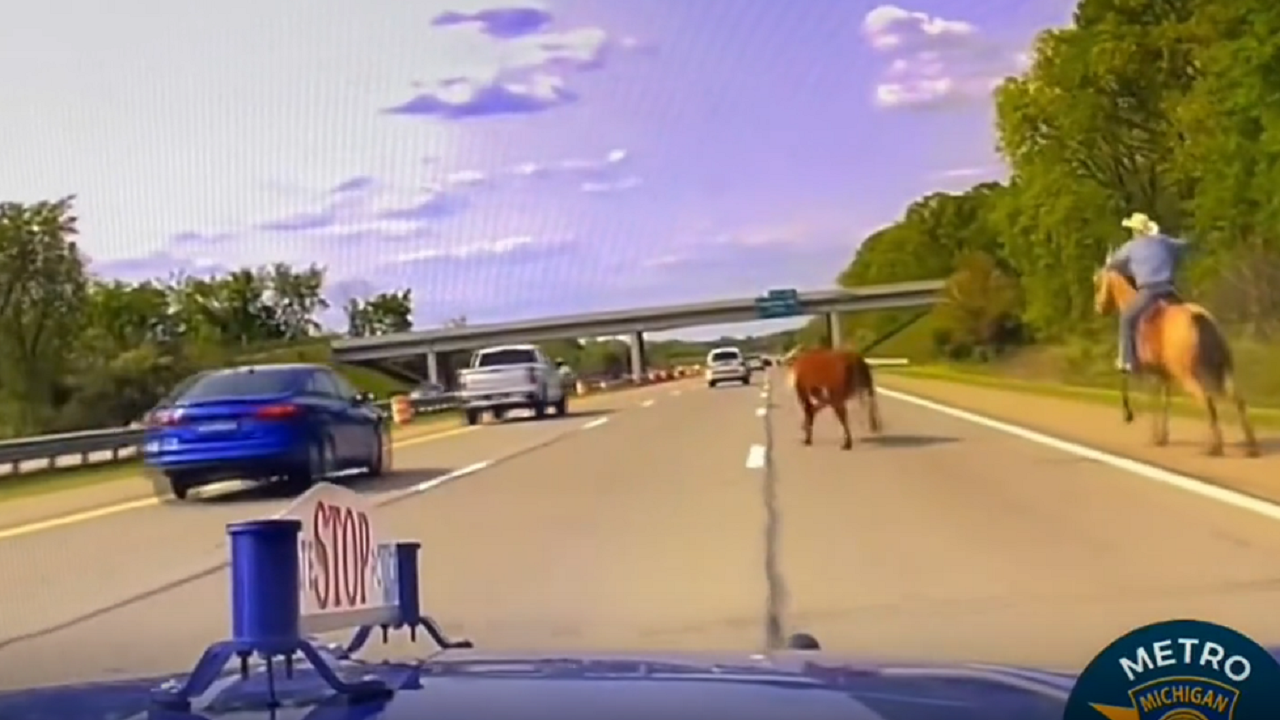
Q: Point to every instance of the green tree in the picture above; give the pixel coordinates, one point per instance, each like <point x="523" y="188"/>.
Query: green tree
<point x="43" y="287"/>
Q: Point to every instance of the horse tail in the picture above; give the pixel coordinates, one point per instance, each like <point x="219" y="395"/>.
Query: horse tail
<point x="1214" y="363"/>
<point x="861" y="383"/>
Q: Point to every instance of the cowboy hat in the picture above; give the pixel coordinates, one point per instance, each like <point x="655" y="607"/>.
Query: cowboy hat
<point x="1141" y="223"/>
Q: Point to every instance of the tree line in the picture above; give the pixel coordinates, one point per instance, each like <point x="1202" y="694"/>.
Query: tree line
<point x="78" y="351"/>
<point x="1170" y="108"/>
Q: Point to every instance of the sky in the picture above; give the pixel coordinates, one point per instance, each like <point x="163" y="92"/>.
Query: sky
<point x="505" y="159"/>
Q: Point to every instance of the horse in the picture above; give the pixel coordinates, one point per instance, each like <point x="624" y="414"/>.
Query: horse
<point x="1178" y="343"/>
<point x="830" y="378"/>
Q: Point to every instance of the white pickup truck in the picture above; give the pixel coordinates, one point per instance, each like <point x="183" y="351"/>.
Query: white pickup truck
<point x="511" y="377"/>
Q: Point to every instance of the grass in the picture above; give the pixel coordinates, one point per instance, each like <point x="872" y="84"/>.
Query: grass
<point x="1082" y="369"/>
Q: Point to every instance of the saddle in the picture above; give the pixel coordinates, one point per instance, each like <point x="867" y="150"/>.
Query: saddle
<point x="1149" y="345"/>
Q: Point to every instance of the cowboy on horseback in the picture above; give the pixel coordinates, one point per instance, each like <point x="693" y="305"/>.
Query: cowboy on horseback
<point x="1150" y="259"/>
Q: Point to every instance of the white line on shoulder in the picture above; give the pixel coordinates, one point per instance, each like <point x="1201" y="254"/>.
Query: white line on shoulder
<point x="595" y="423"/>
<point x="755" y="457"/>
<point x="1143" y="470"/>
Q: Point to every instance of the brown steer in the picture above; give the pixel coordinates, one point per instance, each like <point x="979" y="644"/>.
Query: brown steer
<point x="830" y="378"/>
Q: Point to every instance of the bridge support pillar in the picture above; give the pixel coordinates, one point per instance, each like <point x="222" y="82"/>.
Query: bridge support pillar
<point x="637" y="357"/>
<point x="833" y="329"/>
<point x="433" y="367"/>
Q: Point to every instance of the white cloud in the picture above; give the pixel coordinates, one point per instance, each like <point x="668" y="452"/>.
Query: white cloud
<point x="627" y="183"/>
<point x="968" y="172"/>
<point x="889" y="27"/>
<point x="501" y="61"/>
<point x="935" y="61"/>
<point x="470" y="250"/>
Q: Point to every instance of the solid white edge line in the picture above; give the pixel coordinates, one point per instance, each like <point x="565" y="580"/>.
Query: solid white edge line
<point x="755" y="457"/>
<point x="595" y="423"/>
<point x="1148" y="472"/>
<point x="647" y="403"/>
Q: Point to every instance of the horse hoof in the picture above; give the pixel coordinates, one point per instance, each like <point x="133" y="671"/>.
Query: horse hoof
<point x="846" y="446"/>
<point x="1252" y="451"/>
<point x="1213" y="451"/>
<point x="1160" y="441"/>
<point x="806" y="442"/>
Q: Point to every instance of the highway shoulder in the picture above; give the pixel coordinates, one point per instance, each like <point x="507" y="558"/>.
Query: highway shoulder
<point x="1102" y="428"/>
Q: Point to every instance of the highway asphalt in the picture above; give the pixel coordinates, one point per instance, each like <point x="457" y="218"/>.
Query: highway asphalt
<point x="645" y="531"/>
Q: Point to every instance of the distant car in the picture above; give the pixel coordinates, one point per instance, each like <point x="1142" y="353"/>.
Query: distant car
<point x="427" y="391"/>
<point x="727" y="364"/>
<point x="755" y="363"/>
<point x="296" y="423"/>
<point x="428" y="396"/>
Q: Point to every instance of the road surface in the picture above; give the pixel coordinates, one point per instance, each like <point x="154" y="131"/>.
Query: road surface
<point x="645" y="531"/>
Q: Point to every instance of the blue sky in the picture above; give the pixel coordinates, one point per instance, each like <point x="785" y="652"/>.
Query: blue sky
<point x="504" y="158"/>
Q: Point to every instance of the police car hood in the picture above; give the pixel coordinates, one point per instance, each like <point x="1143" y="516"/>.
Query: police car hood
<point x="807" y="685"/>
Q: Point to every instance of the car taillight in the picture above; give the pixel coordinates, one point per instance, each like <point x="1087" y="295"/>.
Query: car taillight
<point x="278" y="412"/>
<point x="163" y="418"/>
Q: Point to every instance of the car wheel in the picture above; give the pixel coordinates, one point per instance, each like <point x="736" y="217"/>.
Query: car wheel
<point x="380" y="463"/>
<point x="562" y="406"/>
<point x="319" y="461"/>
<point x="473" y="417"/>
<point x="539" y="409"/>
<point x="179" y="486"/>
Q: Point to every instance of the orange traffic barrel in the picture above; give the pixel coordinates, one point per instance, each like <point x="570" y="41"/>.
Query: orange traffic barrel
<point x="401" y="409"/>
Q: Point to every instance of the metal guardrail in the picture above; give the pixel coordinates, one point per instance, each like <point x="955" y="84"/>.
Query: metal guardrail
<point x="102" y="447"/>
<point x="21" y="456"/>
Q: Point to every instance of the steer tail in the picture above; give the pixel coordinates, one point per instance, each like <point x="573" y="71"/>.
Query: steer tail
<point x="863" y="386"/>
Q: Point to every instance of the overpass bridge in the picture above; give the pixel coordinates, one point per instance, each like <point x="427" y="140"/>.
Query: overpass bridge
<point x="634" y="322"/>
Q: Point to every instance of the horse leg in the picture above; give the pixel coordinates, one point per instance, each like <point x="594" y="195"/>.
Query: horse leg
<point x="841" y="409"/>
<point x="1201" y="395"/>
<point x="1160" y="414"/>
<point x="1242" y="416"/>
<point x="1125" y="408"/>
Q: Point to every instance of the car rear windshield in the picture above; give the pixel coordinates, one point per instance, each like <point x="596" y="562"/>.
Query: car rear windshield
<point x="231" y="385"/>
<point x="512" y="356"/>
<point x="726" y="356"/>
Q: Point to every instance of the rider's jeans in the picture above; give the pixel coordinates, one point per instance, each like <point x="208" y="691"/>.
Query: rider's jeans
<point x="1129" y="319"/>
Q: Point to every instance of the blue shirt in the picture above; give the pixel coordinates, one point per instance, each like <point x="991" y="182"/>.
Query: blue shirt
<point x="1150" y="260"/>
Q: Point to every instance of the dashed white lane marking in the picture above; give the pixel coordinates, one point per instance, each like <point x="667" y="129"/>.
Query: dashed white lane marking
<point x="459" y="473"/>
<point x="760" y="412"/>
<point x="755" y="457"/>
<point x="647" y="403"/>
<point x="595" y="423"/>
<point x="1143" y="470"/>
<point x="675" y="393"/>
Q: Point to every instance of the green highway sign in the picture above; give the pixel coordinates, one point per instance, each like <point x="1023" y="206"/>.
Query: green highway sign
<point x="778" y="304"/>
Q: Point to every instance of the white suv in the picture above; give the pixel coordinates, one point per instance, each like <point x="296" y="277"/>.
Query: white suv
<point x="726" y="364"/>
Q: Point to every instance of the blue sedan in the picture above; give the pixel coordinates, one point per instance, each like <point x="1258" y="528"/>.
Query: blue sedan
<point x="293" y="423"/>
